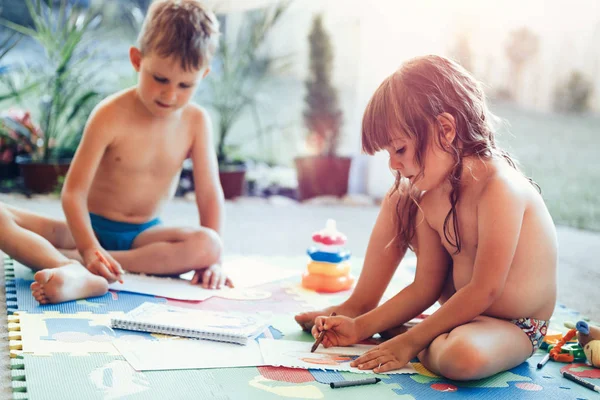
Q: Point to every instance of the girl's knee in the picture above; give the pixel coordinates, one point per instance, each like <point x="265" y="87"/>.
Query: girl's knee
<point x="460" y="360"/>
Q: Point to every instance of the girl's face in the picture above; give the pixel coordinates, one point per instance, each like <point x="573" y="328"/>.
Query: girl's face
<point x="437" y="162"/>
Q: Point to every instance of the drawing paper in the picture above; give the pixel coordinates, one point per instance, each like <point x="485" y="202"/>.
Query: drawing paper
<point x="244" y="272"/>
<point x="293" y="354"/>
<point x="188" y="354"/>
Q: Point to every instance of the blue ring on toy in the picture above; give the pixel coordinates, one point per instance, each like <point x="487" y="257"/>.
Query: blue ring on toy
<point x="322" y="256"/>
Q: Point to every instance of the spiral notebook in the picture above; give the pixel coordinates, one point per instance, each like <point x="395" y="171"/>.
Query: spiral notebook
<point x="193" y="323"/>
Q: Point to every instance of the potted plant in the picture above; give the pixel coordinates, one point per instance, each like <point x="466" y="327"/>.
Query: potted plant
<point x="9" y="146"/>
<point x="67" y="89"/>
<point x="323" y="172"/>
<point x="240" y="70"/>
<point x="18" y="137"/>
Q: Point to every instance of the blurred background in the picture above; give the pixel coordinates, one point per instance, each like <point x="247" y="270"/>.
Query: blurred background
<point x="305" y="71"/>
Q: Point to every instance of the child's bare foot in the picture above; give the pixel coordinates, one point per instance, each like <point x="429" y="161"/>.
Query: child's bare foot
<point x="69" y="282"/>
<point x="307" y="319"/>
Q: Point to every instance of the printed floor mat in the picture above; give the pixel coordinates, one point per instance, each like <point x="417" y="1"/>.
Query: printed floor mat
<point x="64" y="352"/>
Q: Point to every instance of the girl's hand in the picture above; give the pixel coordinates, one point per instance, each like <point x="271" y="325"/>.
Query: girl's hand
<point x="390" y="355"/>
<point x="339" y="331"/>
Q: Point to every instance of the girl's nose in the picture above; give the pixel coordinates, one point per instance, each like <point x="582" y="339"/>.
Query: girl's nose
<point x="395" y="165"/>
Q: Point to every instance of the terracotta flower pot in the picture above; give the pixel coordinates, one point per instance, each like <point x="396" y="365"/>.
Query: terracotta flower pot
<point x="40" y="177"/>
<point x="322" y="176"/>
<point x="233" y="181"/>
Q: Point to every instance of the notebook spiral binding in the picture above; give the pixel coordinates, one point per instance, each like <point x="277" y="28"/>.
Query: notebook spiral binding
<point x="141" y="326"/>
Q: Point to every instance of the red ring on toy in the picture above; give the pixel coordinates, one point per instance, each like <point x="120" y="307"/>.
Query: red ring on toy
<point x="328" y="239"/>
<point x="327" y="284"/>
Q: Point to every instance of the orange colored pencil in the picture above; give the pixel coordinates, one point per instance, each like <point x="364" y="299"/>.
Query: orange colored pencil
<point x="109" y="265"/>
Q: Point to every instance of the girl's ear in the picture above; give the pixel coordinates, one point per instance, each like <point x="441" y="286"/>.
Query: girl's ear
<point x="135" y="56"/>
<point x="448" y="124"/>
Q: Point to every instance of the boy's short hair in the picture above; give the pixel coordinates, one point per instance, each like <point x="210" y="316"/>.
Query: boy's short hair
<point x="181" y="28"/>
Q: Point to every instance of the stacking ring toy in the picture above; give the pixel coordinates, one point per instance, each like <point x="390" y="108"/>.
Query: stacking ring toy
<point x="321" y="268"/>
<point x="327" y="284"/>
<point x="322" y="256"/>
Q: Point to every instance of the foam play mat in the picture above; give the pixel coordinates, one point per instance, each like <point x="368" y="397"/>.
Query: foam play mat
<point x="64" y="351"/>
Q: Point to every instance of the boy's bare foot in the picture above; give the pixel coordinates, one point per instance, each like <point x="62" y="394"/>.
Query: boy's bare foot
<point x="69" y="282"/>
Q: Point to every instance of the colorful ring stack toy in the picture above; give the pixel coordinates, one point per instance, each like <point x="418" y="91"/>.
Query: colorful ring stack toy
<point x="329" y="265"/>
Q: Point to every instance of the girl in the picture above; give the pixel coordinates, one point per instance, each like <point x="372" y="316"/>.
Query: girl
<point x="485" y="243"/>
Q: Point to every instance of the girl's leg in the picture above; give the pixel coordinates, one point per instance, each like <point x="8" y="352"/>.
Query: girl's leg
<point x="477" y="350"/>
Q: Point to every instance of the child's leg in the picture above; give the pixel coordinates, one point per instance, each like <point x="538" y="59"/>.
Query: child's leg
<point x="27" y="246"/>
<point x="53" y="230"/>
<point x="68" y="282"/>
<point x="63" y="279"/>
<point x="477" y="350"/>
<point x="171" y="251"/>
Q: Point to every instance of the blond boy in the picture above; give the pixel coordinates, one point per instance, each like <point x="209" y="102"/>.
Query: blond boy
<point x="132" y="151"/>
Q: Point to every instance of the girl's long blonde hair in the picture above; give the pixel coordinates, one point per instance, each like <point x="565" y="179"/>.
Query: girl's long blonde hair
<point x="410" y="101"/>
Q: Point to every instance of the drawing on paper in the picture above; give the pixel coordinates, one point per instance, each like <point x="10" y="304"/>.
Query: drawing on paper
<point x="294" y="354"/>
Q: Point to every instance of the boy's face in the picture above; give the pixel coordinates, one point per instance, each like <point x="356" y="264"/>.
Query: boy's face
<point x="163" y="85"/>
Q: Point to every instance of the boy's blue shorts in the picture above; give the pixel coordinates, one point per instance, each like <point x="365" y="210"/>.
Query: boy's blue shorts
<point x="115" y="235"/>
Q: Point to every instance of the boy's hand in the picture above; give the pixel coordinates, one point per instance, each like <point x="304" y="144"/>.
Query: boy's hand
<point x="339" y="331"/>
<point x="99" y="262"/>
<point x="390" y="355"/>
<point x="212" y="277"/>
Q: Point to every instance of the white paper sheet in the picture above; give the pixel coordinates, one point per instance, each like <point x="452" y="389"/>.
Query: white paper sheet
<point x="293" y="354"/>
<point x="188" y="354"/>
<point x="244" y="272"/>
<point x="172" y="288"/>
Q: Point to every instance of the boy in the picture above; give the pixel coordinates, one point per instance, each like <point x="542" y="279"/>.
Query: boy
<point x="132" y="151"/>
<point x="41" y="242"/>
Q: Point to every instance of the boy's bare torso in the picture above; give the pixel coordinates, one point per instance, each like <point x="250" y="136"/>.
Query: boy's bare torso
<point x="530" y="288"/>
<point x="143" y="161"/>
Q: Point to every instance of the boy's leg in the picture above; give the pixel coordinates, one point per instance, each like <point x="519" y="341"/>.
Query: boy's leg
<point x="68" y="282"/>
<point x="171" y="251"/>
<point x="27" y="246"/>
<point x="478" y="349"/>
<point x="53" y="230"/>
<point x="59" y="279"/>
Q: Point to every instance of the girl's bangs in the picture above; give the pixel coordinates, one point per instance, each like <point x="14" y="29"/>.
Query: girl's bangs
<point x="382" y="120"/>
